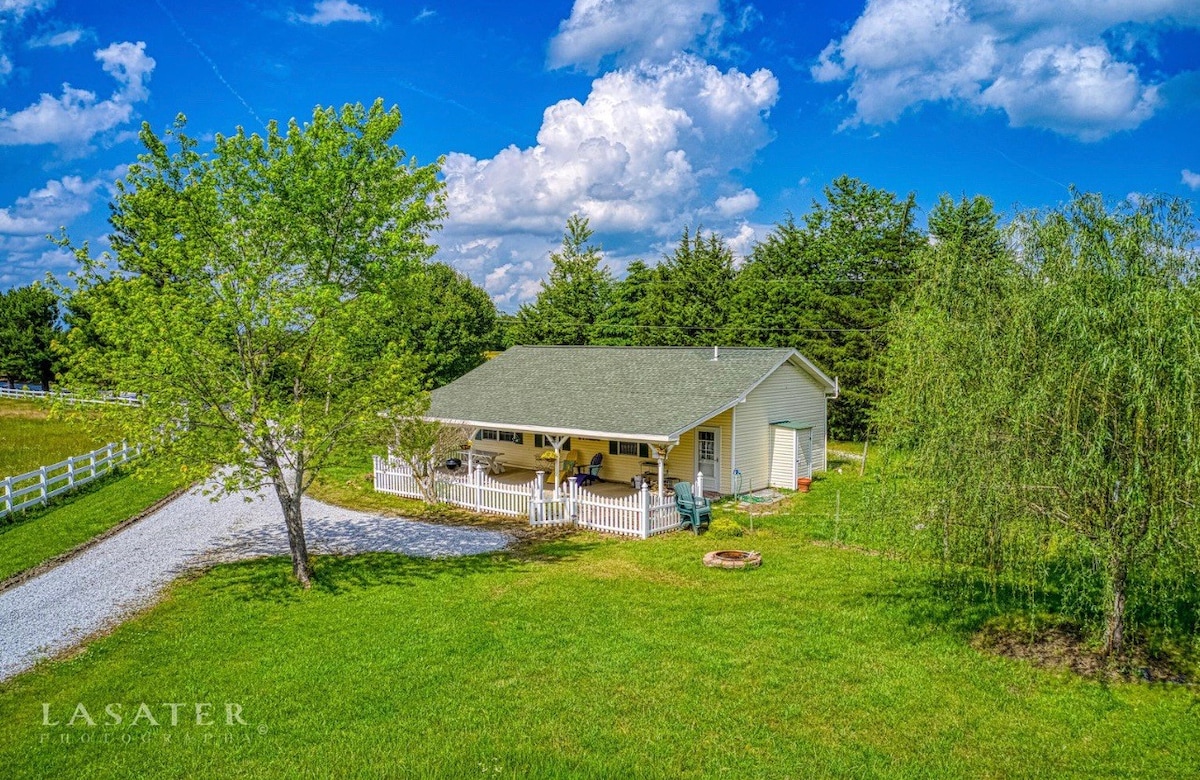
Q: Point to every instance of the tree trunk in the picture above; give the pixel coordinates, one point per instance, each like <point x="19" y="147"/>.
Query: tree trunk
<point x="301" y="567"/>
<point x="1114" y="633"/>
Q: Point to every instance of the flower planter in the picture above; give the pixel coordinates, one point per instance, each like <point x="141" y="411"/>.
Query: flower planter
<point x="803" y="484"/>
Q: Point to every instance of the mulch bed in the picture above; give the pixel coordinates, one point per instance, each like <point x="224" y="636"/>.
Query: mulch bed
<point x="1065" y="648"/>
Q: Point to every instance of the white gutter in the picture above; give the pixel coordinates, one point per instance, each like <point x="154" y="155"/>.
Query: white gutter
<point x="648" y="438"/>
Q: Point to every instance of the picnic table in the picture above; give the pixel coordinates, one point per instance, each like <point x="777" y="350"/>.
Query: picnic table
<point x="489" y="460"/>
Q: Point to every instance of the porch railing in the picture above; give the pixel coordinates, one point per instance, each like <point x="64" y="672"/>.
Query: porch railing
<point x="476" y="490"/>
<point x="642" y="514"/>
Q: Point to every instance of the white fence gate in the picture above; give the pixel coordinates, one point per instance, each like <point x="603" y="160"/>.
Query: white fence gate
<point x="643" y="514"/>
<point x="49" y="481"/>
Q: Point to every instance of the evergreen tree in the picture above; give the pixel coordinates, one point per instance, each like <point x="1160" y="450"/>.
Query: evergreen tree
<point x="621" y="323"/>
<point x="574" y="297"/>
<point x="827" y="288"/>
<point x="688" y="301"/>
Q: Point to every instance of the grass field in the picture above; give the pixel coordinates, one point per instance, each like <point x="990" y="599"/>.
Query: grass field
<point x="583" y="656"/>
<point x="40" y="534"/>
<point x="30" y="438"/>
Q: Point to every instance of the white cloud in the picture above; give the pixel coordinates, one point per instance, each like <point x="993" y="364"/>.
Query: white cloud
<point x="47" y="208"/>
<point x="1045" y="63"/>
<point x="64" y="39"/>
<point x="652" y="148"/>
<point x="17" y="9"/>
<point x="737" y="205"/>
<point x="25" y="223"/>
<point x="6" y="67"/>
<point x="424" y="14"/>
<point x="327" y="12"/>
<point x="642" y="147"/>
<point x="1082" y="92"/>
<point x="75" y="117"/>
<point x="635" y="30"/>
<point x="1190" y="179"/>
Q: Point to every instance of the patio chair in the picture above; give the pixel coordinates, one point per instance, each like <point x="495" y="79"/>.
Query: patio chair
<point x="696" y="512"/>
<point x="591" y="472"/>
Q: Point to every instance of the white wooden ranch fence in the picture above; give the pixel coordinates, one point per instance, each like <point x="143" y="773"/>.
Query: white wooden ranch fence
<point x="38" y="487"/>
<point x="54" y="395"/>
<point x="642" y="514"/>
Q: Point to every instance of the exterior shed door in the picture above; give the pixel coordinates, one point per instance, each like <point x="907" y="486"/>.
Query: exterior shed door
<point x="791" y="453"/>
<point x="783" y="457"/>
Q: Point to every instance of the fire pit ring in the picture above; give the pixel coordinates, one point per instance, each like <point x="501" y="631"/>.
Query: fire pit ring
<point x="732" y="559"/>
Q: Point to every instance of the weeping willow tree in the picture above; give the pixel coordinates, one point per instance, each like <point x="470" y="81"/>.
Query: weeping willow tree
<point x="1045" y="393"/>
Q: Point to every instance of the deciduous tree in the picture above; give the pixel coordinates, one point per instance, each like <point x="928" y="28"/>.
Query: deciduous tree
<point x="1047" y="400"/>
<point x="252" y="278"/>
<point x="28" y="327"/>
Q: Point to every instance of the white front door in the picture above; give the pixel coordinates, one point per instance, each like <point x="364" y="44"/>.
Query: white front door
<point x="708" y="455"/>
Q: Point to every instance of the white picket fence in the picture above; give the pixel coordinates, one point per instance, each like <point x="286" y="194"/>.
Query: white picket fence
<point x="54" y="395"/>
<point x="472" y="490"/>
<point x="38" y="487"/>
<point x="642" y="514"/>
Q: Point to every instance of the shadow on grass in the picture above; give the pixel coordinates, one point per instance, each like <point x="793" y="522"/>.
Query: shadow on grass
<point x="271" y="579"/>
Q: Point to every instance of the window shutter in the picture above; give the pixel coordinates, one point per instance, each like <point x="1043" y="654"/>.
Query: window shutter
<point x="479" y="435"/>
<point x="643" y="451"/>
<point x="567" y="445"/>
<point x="537" y="440"/>
<point x="612" y="448"/>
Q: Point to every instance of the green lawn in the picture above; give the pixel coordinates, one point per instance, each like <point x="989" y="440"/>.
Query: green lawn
<point x="40" y="534"/>
<point x="585" y="656"/>
<point x="30" y="437"/>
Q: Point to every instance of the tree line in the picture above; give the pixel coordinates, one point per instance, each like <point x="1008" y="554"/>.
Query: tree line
<point x="825" y="285"/>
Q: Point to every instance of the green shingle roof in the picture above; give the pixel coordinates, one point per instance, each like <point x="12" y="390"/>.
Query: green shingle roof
<point x="638" y="392"/>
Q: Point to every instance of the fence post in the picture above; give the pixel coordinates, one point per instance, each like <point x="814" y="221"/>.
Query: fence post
<point x="573" y="501"/>
<point x="70" y="472"/>
<point x="645" y="496"/>
<point x="42" y="482"/>
<point x="539" y="497"/>
<point x="699" y="484"/>
<point x="477" y="482"/>
<point x="7" y="495"/>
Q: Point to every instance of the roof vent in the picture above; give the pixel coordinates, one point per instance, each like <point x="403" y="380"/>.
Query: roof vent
<point x="716" y="349"/>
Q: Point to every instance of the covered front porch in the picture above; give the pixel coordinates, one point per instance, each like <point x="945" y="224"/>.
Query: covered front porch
<point x="603" y="506"/>
<point x="614" y="464"/>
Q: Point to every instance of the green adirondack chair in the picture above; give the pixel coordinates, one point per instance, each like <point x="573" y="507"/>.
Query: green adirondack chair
<point x="696" y="512"/>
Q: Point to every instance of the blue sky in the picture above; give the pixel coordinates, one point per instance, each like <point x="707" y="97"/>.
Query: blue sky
<point x="644" y="115"/>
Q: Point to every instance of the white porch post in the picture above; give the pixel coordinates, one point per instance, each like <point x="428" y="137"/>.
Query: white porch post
<point x="557" y="442"/>
<point x="661" y="453"/>
<point x="470" y="450"/>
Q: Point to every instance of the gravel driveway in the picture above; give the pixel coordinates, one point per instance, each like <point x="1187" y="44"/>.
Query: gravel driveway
<point x="104" y="584"/>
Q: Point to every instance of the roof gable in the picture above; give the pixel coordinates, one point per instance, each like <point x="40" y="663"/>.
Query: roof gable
<point x="640" y="392"/>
